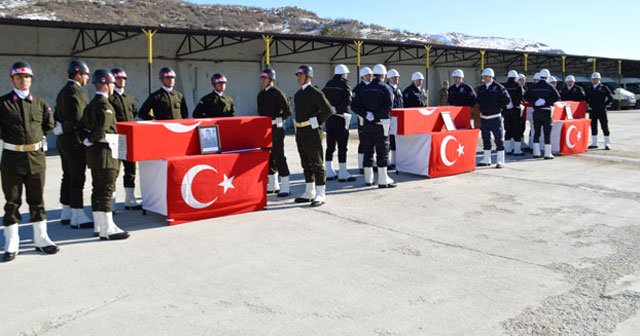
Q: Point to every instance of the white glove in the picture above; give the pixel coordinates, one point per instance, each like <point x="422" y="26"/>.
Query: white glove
<point x="540" y="102"/>
<point x="333" y="109"/>
<point x="45" y="146"/>
<point x="510" y="106"/>
<point x="87" y="143"/>
<point x="370" y="116"/>
<point x="58" y="129"/>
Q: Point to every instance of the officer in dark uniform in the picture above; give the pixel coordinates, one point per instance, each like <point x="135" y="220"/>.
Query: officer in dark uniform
<point x="338" y="93"/>
<point x="366" y="76"/>
<point x="541" y="96"/>
<point x="312" y="109"/>
<point x="598" y="97"/>
<point x="273" y="103"/>
<point x="124" y="106"/>
<point x="393" y="78"/>
<point x="414" y="95"/>
<point x="24" y="121"/>
<point x="373" y="103"/>
<point x="572" y="92"/>
<point x="461" y="93"/>
<point x="492" y="99"/>
<point x="70" y="104"/>
<point x="513" y="117"/>
<point x="215" y="104"/>
<point x="100" y="122"/>
<point x="167" y="102"/>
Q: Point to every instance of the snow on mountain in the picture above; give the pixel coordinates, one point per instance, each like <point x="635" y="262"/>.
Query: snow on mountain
<point x="463" y="40"/>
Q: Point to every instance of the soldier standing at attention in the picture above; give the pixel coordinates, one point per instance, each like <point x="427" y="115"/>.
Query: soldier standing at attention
<point x="273" y="103"/>
<point x="414" y="95"/>
<point x="215" y="104"/>
<point x="598" y="97"/>
<point x="513" y="117"/>
<point x="443" y="94"/>
<point x="124" y="106"/>
<point x="24" y="121"/>
<point x="366" y="76"/>
<point x="542" y="96"/>
<point x="312" y="109"/>
<point x="571" y="91"/>
<point x="70" y="104"/>
<point x="393" y="78"/>
<point x="492" y="99"/>
<point x="100" y="120"/>
<point x="167" y="102"/>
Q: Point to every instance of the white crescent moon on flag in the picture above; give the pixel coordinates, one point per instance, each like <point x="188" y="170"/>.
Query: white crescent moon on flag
<point x="443" y="150"/>
<point x="427" y="111"/>
<point x="174" y="127"/>
<point x="187" y="191"/>
<point x="568" y="137"/>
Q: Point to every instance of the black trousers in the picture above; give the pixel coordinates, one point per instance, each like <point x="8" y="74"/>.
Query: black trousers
<point x="373" y="138"/>
<point x="309" y="143"/>
<point x="601" y="116"/>
<point x="513" y="125"/>
<point x="392" y="142"/>
<point x="74" y="167"/>
<point x="542" y="124"/>
<point x="104" y="185"/>
<point x="277" y="160"/>
<point x="12" y="188"/>
<point x="129" y="178"/>
<point x="336" y="134"/>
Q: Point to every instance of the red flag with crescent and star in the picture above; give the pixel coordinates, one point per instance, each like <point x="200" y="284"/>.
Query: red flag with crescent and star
<point x="574" y="137"/>
<point x="453" y="152"/>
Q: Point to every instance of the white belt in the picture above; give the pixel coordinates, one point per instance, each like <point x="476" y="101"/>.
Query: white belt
<point x="23" y="148"/>
<point x="303" y="124"/>
<point x="493" y="116"/>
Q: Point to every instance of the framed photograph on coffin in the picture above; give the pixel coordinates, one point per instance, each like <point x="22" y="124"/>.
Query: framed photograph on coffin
<point x="448" y="121"/>
<point x="209" y="139"/>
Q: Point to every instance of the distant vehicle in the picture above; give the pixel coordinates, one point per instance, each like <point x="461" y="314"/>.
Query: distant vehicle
<point x="633" y="85"/>
<point x="622" y="97"/>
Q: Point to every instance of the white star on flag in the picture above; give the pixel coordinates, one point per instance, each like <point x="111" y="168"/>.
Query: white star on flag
<point x="460" y="150"/>
<point x="579" y="135"/>
<point x="227" y="183"/>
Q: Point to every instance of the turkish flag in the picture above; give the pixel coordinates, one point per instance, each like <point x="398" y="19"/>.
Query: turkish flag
<point x="578" y="109"/>
<point x="453" y="152"/>
<point x="574" y="136"/>
<point x="197" y="187"/>
<point x="427" y="119"/>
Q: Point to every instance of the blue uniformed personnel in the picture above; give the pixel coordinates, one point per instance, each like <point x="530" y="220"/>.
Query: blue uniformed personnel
<point x="513" y="116"/>
<point x="598" y="97"/>
<point x="366" y="76"/>
<point x="542" y="96"/>
<point x="393" y="77"/>
<point x="414" y="95"/>
<point x="570" y="91"/>
<point x="492" y="99"/>
<point x="461" y="93"/>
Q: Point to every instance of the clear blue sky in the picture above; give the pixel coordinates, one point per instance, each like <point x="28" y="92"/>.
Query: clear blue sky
<point x="595" y="28"/>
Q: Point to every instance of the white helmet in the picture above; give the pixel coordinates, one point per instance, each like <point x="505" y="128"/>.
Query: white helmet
<point x="552" y="79"/>
<point x="416" y="75"/>
<point x="596" y="75"/>
<point x="512" y="74"/>
<point x="521" y="76"/>
<point x="536" y="76"/>
<point x="365" y="71"/>
<point x="570" y="78"/>
<point x="341" y="69"/>
<point x="379" y="69"/>
<point x="457" y="73"/>
<point x="544" y="73"/>
<point x="393" y="73"/>
<point x="488" y="72"/>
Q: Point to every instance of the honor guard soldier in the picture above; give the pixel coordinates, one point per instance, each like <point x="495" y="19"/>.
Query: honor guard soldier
<point x="522" y="80"/>
<point x="570" y="91"/>
<point x="338" y="93"/>
<point x="598" y="97"/>
<point x="366" y="76"/>
<point x="553" y="82"/>
<point x="167" y="102"/>
<point x="373" y="103"/>
<point x="492" y="99"/>
<point x="413" y="95"/>
<point x="273" y="103"/>
<point x="312" y="109"/>
<point x="513" y="117"/>
<point x="70" y="104"/>
<point x="393" y="78"/>
<point x="461" y="93"/>
<point x="100" y="121"/>
<point x="124" y="105"/>
<point x="542" y="96"/>
<point x="215" y="104"/>
<point x="24" y="121"/>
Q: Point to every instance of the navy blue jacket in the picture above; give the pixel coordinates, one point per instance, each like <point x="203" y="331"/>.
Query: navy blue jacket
<point x="375" y="97"/>
<point x="599" y="98"/>
<point x="397" y="96"/>
<point x="413" y="97"/>
<point x="516" y="92"/>
<point x="338" y="93"/>
<point x="576" y="93"/>
<point x="462" y="95"/>
<point x="543" y="90"/>
<point x="493" y="99"/>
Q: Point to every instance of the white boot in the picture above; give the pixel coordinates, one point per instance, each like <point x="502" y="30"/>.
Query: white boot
<point x="41" y="239"/>
<point x="607" y="143"/>
<point x="360" y="160"/>
<point x="536" y="151"/>
<point x="508" y="146"/>
<point x="383" y="179"/>
<point x="547" y="152"/>
<point x="65" y="214"/>
<point x="11" y="242"/>
<point x="130" y="202"/>
<point x="486" y="159"/>
<point x="97" y="223"/>
<point x="517" y="151"/>
<point x="309" y="193"/>
<point x="272" y="184"/>
<point x="284" y="187"/>
<point x="392" y="159"/>
<point x="343" y="174"/>
<point x="320" y="196"/>
<point x="331" y="174"/>
<point x="108" y="228"/>
<point x="368" y="176"/>
<point x="594" y="141"/>
<point x="500" y="160"/>
<point x="80" y="220"/>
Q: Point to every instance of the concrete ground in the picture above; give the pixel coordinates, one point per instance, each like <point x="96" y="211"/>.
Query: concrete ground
<point x="537" y="248"/>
